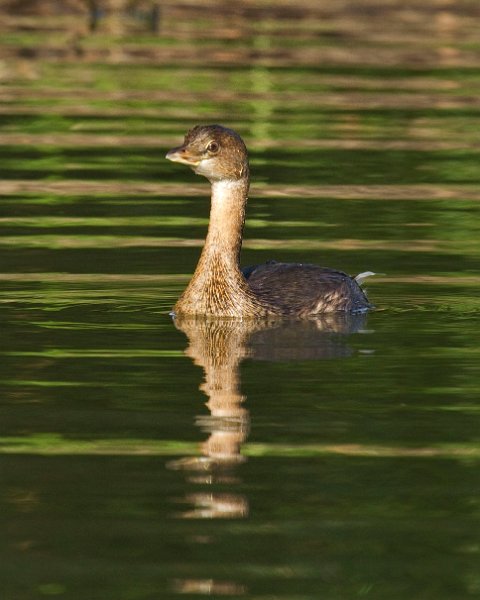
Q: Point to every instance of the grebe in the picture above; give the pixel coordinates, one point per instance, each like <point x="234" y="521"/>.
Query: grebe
<point x="218" y="287"/>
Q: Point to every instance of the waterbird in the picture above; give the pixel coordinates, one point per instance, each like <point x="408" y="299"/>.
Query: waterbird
<point x="219" y="287"/>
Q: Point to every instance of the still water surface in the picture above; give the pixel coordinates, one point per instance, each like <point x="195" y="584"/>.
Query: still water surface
<point x="145" y="458"/>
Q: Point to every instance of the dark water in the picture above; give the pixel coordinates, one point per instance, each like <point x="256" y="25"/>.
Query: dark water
<point x="142" y="458"/>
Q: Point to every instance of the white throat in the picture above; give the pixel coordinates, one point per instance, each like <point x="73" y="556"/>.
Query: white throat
<point x="228" y="190"/>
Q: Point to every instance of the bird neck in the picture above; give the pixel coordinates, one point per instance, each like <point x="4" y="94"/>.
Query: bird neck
<point x="227" y="218"/>
<point x="218" y="286"/>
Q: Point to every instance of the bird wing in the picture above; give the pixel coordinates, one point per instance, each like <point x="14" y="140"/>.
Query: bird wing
<point x="305" y="287"/>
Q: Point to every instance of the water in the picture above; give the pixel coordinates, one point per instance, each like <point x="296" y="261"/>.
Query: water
<point x="145" y="458"/>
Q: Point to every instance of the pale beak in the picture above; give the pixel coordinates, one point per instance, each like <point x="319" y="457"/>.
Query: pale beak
<point x="182" y="156"/>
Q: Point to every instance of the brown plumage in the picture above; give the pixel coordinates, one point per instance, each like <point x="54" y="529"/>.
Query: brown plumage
<point x="218" y="286"/>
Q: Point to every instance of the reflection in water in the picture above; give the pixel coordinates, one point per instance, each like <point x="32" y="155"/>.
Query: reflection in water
<point x="208" y="587"/>
<point x="183" y="26"/>
<point x="219" y="346"/>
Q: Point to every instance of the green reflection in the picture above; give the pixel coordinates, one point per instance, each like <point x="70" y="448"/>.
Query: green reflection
<point x="53" y="444"/>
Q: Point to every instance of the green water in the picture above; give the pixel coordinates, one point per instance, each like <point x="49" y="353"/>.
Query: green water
<point x="142" y="458"/>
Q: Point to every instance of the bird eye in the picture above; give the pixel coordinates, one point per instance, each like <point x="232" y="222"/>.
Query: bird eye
<point x="212" y="147"/>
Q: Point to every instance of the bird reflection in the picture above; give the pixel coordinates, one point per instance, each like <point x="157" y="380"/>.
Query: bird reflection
<point x="219" y="346"/>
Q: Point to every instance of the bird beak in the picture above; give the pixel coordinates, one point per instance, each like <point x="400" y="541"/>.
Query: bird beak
<point x="181" y="155"/>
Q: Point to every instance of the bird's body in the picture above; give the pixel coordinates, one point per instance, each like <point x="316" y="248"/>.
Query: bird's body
<point x="218" y="286"/>
<point x="322" y="289"/>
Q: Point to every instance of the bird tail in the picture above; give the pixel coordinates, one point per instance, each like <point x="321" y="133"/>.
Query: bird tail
<point x="360" y="278"/>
